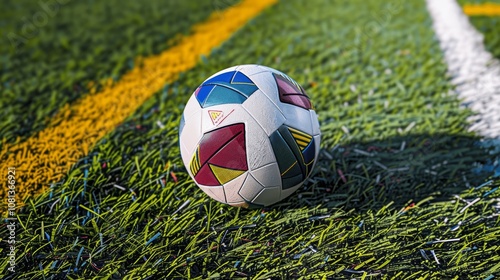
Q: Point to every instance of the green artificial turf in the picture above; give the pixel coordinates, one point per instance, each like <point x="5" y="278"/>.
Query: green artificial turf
<point x="396" y="167"/>
<point x="489" y="26"/>
<point x="49" y="52"/>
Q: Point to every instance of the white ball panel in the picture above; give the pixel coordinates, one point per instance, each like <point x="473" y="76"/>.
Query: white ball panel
<point x="250" y="189"/>
<point x="268" y="176"/>
<point x="314" y="123"/>
<point x="259" y="149"/>
<point x="265" y="112"/>
<point x="192" y="107"/>
<point x="232" y="187"/>
<point x="298" y="118"/>
<point x="215" y="192"/>
<point x="231" y="114"/>
<point x="268" y="196"/>
<point x="191" y="133"/>
<point x="267" y="84"/>
<point x="317" y="140"/>
<point x="267" y="69"/>
<point x="251" y="69"/>
<point x="186" y="157"/>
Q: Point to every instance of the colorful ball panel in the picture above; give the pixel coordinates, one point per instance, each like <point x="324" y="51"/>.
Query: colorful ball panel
<point x="249" y="136"/>
<point x="292" y="93"/>
<point x="295" y="154"/>
<point x="225" y="88"/>
<point x="220" y="156"/>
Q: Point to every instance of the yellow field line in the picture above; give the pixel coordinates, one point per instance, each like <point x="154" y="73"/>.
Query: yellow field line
<point x="485" y="9"/>
<point x="47" y="156"/>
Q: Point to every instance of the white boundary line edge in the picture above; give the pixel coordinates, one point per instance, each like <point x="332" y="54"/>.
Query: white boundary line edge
<point x="474" y="71"/>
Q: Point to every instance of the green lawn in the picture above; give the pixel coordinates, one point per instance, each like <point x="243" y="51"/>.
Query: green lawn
<point x="49" y="54"/>
<point x="488" y="26"/>
<point x="395" y="152"/>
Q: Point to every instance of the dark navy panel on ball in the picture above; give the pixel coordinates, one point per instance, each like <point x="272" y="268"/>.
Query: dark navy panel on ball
<point x="283" y="153"/>
<point x="294" y="151"/>
<point x="309" y="152"/>
<point x="285" y="133"/>
<point x="290" y="166"/>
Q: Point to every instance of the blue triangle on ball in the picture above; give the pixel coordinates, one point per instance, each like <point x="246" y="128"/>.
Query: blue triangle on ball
<point x="241" y="78"/>
<point x="224" y="77"/>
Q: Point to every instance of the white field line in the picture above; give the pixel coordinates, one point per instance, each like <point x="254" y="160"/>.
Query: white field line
<point x="475" y="72"/>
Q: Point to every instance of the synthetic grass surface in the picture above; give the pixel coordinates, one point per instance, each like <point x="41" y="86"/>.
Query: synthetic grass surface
<point x="395" y="152"/>
<point x="51" y="52"/>
<point x="488" y="25"/>
<point x="45" y="157"/>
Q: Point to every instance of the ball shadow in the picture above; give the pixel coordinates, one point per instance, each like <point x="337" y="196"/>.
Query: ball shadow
<point x="401" y="170"/>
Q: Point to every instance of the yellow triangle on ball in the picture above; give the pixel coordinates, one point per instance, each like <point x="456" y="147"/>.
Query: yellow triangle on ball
<point x="215" y="114"/>
<point x="225" y="175"/>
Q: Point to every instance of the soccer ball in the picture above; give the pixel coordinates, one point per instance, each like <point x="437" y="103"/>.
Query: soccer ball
<point x="249" y="136"/>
